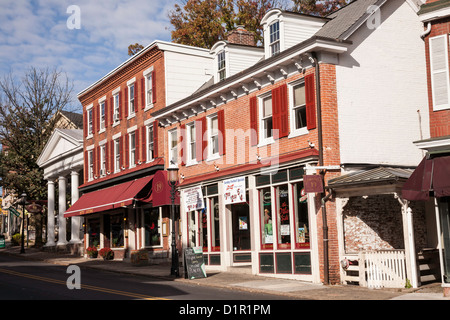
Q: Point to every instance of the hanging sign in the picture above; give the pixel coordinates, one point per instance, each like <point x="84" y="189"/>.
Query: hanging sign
<point x="234" y="190"/>
<point x="313" y="183"/>
<point x="193" y="199"/>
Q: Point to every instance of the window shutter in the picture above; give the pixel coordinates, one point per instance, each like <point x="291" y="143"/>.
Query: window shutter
<point x="283" y="110"/>
<point x="122" y="157"/>
<point x="127" y="151"/>
<point x="143" y="93"/>
<point x="439" y="72"/>
<point x="120" y="104"/>
<point x="106" y="157"/>
<point x="276" y="122"/>
<point x="153" y="86"/>
<point x="85" y="127"/>
<point x="155" y="138"/>
<point x="253" y="121"/>
<point x="183" y="151"/>
<point x="111" y="110"/>
<point x="97" y="162"/>
<point x="86" y="166"/>
<point x="98" y="117"/>
<point x="144" y="144"/>
<point x="126" y="104"/>
<point x="204" y="137"/>
<point x="106" y="113"/>
<point x="221" y="127"/>
<point x="111" y="156"/>
<point x="198" y="140"/>
<point x="310" y="102"/>
<point x="136" y="88"/>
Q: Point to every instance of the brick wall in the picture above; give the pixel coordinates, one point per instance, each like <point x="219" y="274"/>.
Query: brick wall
<point x="439" y="120"/>
<point x="154" y="58"/>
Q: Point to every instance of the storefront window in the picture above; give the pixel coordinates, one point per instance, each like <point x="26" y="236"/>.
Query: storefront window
<point x="215" y="230"/>
<point x="203" y="228"/>
<point x="301" y="217"/>
<point x="94" y="233"/>
<point x="265" y="205"/>
<point x="116" y="224"/>
<point x="152" y="228"/>
<point x="283" y="217"/>
<point x="192" y="227"/>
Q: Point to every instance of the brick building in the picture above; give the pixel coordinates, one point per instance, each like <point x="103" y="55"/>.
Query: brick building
<point x="321" y="100"/>
<point x="429" y="183"/>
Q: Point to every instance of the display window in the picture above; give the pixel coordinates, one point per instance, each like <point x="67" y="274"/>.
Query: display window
<point x="215" y="223"/>
<point x="152" y="228"/>
<point x="301" y="217"/>
<point x="265" y="208"/>
<point x="283" y="214"/>
<point x="94" y="232"/>
<point x="116" y="231"/>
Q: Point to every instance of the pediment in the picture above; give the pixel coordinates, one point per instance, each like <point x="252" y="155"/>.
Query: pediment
<point x="62" y="142"/>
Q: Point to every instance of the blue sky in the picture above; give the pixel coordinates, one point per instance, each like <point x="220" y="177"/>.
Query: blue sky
<point x="36" y="33"/>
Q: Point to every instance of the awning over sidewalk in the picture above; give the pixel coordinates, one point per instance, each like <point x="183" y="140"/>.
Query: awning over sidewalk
<point x="113" y="197"/>
<point x="430" y="175"/>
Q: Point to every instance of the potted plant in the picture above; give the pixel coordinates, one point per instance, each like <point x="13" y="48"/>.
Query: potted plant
<point x="92" y="252"/>
<point x="106" y="253"/>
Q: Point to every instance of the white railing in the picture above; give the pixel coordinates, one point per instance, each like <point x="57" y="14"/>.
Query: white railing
<point x="385" y="269"/>
<point x="376" y="269"/>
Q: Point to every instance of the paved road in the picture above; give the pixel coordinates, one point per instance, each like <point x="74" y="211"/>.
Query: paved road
<point x="34" y="280"/>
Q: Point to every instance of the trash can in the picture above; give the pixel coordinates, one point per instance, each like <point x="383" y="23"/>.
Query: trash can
<point x="2" y="241"/>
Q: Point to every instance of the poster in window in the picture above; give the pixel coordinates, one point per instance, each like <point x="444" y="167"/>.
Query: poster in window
<point x="193" y="199"/>
<point x="243" y="223"/>
<point x="234" y="190"/>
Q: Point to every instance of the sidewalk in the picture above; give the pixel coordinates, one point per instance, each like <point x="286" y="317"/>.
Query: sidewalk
<point x="291" y="289"/>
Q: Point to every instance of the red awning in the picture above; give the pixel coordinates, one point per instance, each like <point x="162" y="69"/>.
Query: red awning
<point x="430" y="175"/>
<point x="113" y="197"/>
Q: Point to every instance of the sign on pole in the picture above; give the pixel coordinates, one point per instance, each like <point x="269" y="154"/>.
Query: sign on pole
<point x="14" y="211"/>
<point x="313" y="183"/>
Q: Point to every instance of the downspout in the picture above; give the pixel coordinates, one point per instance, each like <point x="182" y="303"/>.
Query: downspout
<point x="427" y="31"/>
<point x="313" y="58"/>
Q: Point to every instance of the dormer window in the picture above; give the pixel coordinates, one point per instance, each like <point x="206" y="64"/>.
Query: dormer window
<point x="221" y="71"/>
<point x="274" y="38"/>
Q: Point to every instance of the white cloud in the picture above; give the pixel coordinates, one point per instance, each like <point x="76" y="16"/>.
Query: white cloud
<point x="35" y="33"/>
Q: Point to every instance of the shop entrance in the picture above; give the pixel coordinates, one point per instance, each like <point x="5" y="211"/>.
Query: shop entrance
<point x="240" y="221"/>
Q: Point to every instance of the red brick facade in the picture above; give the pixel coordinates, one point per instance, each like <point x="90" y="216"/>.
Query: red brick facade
<point x="439" y="120"/>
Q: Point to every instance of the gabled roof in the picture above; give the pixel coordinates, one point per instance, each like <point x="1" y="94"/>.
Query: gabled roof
<point x="347" y="19"/>
<point x="380" y="175"/>
<point x="62" y="143"/>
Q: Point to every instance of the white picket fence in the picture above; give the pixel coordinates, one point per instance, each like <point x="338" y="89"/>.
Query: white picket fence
<point x="379" y="269"/>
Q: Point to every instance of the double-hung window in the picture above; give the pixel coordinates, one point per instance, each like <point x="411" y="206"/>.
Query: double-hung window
<point x="221" y="70"/>
<point x="298" y="108"/>
<point x="103" y="160"/>
<point x="213" y="136"/>
<point x="266" y="119"/>
<point x="132" y="142"/>
<point x="274" y="31"/>
<point x="173" y="148"/>
<point x="191" y="148"/>
<point x="439" y="70"/>
<point x="116" y="155"/>
<point x="150" y="143"/>
<point x="149" y="89"/>
<point x="116" y="115"/>
<point x="102" y="115"/>
<point x="90" y="120"/>
<point x="91" y="165"/>
<point x="131" y="101"/>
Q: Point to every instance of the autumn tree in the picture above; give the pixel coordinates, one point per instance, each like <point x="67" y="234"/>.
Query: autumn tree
<point x="134" y="48"/>
<point x="203" y="23"/>
<point x="317" y="7"/>
<point x="27" y="109"/>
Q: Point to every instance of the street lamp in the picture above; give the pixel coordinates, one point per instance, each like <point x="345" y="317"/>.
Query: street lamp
<point x="23" y="200"/>
<point x="173" y="182"/>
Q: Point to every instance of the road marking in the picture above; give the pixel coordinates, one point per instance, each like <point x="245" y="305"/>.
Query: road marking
<point x="83" y="286"/>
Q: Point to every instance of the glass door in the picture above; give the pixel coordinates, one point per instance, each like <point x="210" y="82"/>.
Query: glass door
<point x="240" y="220"/>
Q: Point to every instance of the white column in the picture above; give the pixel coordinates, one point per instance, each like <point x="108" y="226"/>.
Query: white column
<point x="75" y="230"/>
<point x="50" y="214"/>
<point x="62" y="182"/>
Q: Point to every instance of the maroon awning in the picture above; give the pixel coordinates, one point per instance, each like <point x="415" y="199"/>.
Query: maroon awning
<point x="430" y="175"/>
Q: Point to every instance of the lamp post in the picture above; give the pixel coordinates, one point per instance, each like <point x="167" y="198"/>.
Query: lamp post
<point x="23" y="200"/>
<point x="173" y="182"/>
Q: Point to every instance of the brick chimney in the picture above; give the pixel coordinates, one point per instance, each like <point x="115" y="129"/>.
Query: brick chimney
<point x="241" y="36"/>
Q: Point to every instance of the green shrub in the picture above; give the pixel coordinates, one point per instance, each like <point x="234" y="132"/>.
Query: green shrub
<point x="15" y="240"/>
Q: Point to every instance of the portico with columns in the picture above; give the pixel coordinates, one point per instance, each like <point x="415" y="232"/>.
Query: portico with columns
<point x="62" y="161"/>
